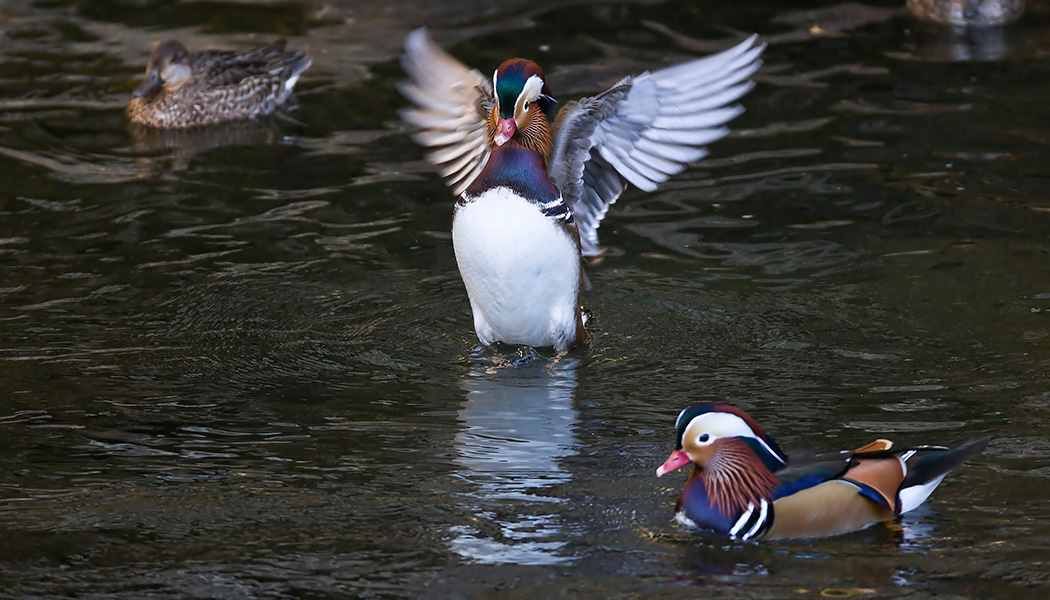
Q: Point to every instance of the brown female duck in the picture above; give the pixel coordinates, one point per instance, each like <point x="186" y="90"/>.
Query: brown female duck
<point x="184" y="89"/>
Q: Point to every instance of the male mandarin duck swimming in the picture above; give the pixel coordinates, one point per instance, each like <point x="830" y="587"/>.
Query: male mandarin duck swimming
<point x="745" y="487"/>
<point x="964" y="13"/>
<point x="531" y="195"/>
<point x="185" y="90"/>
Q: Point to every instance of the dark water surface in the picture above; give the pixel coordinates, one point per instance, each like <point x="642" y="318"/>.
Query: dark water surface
<point x="240" y="362"/>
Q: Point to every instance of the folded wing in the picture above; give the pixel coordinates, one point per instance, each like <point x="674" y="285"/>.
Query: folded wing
<point x="644" y="130"/>
<point x="255" y="68"/>
<point x="452" y="103"/>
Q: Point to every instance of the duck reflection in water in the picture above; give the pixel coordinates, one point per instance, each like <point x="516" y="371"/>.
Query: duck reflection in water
<point x="175" y="149"/>
<point x="518" y="424"/>
<point x="936" y="43"/>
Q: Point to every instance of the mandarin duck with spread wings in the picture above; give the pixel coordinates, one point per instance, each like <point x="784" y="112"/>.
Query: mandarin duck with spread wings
<point x="534" y="184"/>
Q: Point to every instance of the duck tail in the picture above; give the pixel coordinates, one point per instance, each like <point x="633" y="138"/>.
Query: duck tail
<point x="927" y="466"/>
<point x="280" y="61"/>
<point x="297" y="63"/>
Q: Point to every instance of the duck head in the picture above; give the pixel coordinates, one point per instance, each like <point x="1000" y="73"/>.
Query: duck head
<point x="522" y="106"/>
<point x="169" y="65"/>
<point x="703" y="430"/>
<point x="733" y="460"/>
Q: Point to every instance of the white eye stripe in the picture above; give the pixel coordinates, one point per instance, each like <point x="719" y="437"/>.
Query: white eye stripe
<point x="724" y="425"/>
<point x="529" y="92"/>
<point x="495" y="95"/>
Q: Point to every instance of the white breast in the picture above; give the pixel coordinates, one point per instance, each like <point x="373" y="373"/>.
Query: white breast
<point x="521" y="270"/>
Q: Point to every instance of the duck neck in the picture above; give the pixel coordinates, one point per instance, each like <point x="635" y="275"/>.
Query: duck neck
<point x="518" y="168"/>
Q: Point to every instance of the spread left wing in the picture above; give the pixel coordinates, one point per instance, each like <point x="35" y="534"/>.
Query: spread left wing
<point x="452" y="103"/>
<point x="644" y="130"/>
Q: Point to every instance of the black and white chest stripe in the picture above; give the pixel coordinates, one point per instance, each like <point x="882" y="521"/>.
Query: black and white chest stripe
<point x="755" y="521"/>
<point x="555" y="209"/>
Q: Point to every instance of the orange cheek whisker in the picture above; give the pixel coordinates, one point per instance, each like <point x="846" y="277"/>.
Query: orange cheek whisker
<point x="735" y="477"/>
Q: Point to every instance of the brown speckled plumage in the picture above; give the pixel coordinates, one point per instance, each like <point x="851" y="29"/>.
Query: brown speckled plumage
<point x="220" y="86"/>
<point x="967" y="12"/>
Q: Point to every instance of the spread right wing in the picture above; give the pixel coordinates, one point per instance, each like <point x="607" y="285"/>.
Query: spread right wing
<point x="450" y="116"/>
<point x="645" y="129"/>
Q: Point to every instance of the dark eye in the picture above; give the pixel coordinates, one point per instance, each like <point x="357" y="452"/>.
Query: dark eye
<point x="703" y="438"/>
<point x="526" y="106"/>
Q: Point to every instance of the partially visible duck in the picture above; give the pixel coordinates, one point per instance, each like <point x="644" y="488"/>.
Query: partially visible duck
<point x="530" y="200"/>
<point x="964" y="13"/>
<point x="184" y="89"/>
<point x="743" y="486"/>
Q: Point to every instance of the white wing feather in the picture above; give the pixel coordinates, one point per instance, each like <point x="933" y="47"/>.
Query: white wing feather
<point x="644" y="130"/>
<point x="452" y="103"/>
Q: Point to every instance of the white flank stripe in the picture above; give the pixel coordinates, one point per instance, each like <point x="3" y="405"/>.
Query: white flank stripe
<point x="742" y="520"/>
<point x="904" y="460"/>
<point x="760" y="522"/>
